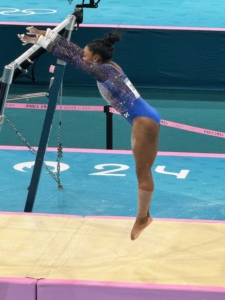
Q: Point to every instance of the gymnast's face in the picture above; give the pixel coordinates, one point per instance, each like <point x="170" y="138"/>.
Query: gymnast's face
<point x="90" y="56"/>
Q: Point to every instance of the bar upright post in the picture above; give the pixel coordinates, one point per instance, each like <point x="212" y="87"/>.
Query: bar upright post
<point x="109" y="127"/>
<point x="53" y="97"/>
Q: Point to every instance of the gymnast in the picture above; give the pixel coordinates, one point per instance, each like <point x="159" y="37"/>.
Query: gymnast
<point x="118" y="91"/>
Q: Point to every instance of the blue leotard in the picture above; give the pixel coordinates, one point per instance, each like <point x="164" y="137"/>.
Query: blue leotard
<point x="113" y="85"/>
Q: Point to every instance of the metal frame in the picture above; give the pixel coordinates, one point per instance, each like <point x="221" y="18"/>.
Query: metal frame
<point x="7" y="80"/>
<point x="53" y="97"/>
<point x="21" y="64"/>
<point x="9" y="70"/>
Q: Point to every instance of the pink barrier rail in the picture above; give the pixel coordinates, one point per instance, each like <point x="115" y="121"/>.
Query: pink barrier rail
<point x="83" y="290"/>
<point x="41" y="289"/>
<point x="205" y="131"/>
<point x="58" y="107"/>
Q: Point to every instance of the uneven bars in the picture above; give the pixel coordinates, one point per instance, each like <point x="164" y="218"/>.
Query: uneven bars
<point x="7" y="77"/>
<point x="30" y="51"/>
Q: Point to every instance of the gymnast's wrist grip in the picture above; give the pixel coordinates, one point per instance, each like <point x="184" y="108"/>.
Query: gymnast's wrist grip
<point x="50" y="34"/>
<point x="43" y="41"/>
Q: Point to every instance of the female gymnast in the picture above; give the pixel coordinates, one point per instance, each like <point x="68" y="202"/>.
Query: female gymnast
<point x="118" y="91"/>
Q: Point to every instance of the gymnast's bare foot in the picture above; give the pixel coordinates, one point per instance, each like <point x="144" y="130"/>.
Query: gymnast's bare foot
<point x="34" y="31"/>
<point x="140" y="224"/>
<point x="27" y="39"/>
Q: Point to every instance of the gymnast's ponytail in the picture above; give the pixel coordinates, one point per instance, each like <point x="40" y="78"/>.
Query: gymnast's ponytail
<point x="104" y="47"/>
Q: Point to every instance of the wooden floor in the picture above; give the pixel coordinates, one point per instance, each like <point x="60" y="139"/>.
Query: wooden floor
<point x="64" y="247"/>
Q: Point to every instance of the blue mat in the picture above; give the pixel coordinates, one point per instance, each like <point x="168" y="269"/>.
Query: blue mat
<point x="198" y="13"/>
<point x="109" y="191"/>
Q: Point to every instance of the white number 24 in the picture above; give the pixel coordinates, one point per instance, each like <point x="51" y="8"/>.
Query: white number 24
<point x="119" y="167"/>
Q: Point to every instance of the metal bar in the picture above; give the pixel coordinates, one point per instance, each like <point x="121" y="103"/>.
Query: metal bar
<point x="53" y="96"/>
<point x="26" y="54"/>
<point x="5" y="85"/>
<point x="3" y="97"/>
<point x="109" y="127"/>
<point x="27" y="96"/>
<point x="33" y="49"/>
<point x="9" y="70"/>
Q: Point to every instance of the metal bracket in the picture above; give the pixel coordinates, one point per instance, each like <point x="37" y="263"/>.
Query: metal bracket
<point x="2" y="118"/>
<point x="8" y="73"/>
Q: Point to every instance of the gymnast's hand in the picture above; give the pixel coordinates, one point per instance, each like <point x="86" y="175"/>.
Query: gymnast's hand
<point x="27" y="39"/>
<point x="34" y="31"/>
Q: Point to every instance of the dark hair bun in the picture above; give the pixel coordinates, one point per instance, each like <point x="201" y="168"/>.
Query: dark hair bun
<point x="111" y="38"/>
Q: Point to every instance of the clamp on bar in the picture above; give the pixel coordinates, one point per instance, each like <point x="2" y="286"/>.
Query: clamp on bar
<point x="92" y="4"/>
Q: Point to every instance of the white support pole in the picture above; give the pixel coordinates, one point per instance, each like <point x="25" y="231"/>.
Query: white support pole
<point x="26" y="55"/>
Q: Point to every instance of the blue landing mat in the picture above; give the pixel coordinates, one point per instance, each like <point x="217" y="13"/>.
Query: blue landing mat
<point x="199" y="193"/>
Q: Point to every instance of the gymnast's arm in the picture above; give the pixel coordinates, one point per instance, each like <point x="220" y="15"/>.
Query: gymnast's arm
<point x="67" y="52"/>
<point x="73" y="55"/>
<point x="50" y="34"/>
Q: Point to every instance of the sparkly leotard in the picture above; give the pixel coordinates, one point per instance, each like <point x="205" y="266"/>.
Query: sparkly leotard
<point x="113" y="85"/>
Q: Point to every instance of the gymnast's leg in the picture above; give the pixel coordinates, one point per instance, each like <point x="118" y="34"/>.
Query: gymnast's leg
<point x="145" y="134"/>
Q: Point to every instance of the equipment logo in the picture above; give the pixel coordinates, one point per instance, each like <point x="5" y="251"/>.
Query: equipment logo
<point x="9" y="11"/>
<point x="29" y="164"/>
